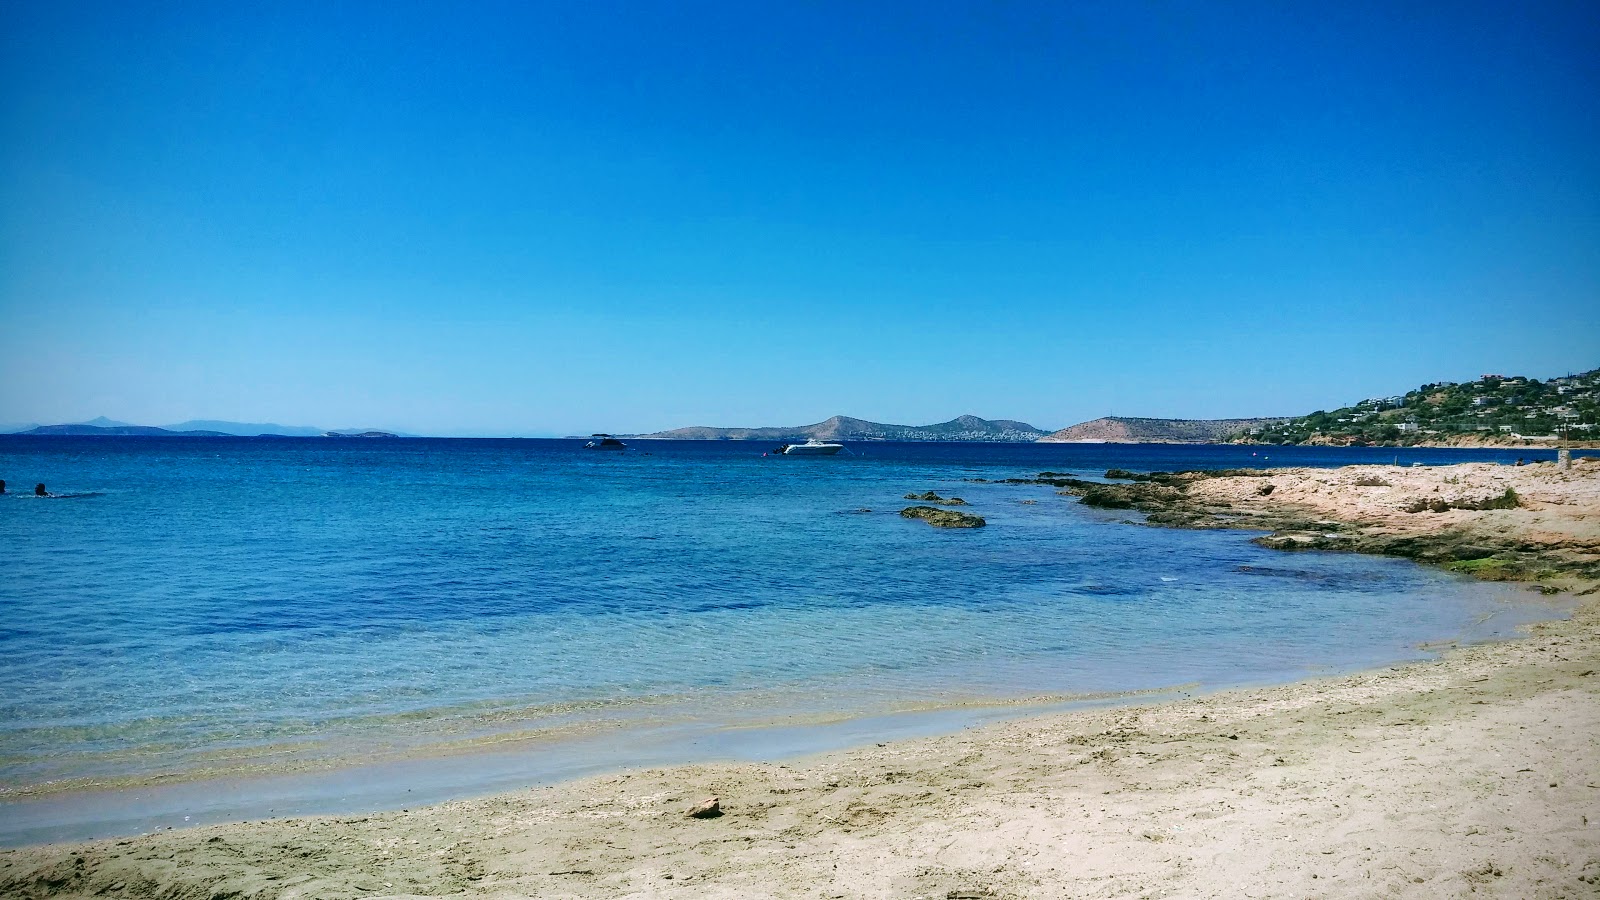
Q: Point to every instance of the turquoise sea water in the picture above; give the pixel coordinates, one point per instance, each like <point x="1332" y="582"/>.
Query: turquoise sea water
<point x="271" y="607"/>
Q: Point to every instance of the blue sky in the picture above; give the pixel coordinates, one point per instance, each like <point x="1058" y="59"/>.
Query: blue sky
<point x="515" y="218"/>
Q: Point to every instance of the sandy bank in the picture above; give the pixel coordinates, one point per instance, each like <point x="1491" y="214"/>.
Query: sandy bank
<point x="1475" y="775"/>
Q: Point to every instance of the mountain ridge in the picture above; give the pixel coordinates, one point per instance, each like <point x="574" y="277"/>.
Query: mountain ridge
<point x="1137" y="430"/>
<point x="961" y="428"/>
<point x="119" y="429"/>
<point x="79" y="430"/>
<point x="245" y="429"/>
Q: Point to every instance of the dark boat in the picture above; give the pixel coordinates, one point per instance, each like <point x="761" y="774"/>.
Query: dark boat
<point x="604" y="442"/>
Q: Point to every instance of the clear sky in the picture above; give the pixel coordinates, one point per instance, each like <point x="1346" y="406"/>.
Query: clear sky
<point x="487" y="218"/>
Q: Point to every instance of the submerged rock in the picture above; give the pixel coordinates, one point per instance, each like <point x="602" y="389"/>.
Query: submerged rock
<point x="943" y="518"/>
<point x="1288" y="542"/>
<point x="1183" y="518"/>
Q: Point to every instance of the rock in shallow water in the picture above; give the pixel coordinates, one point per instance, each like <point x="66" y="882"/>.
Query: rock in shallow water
<point x="931" y="497"/>
<point x="943" y="518"/>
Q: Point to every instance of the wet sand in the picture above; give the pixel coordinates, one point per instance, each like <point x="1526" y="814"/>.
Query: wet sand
<point x="1477" y="774"/>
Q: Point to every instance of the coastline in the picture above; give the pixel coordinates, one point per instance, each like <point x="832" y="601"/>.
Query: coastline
<point x="1463" y="443"/>
<point x="1470" y="773"/>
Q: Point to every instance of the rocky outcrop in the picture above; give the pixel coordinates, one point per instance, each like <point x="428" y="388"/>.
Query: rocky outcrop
<point x="1505" y="500"/>
<point x="1126" y="496"/>
<point x="1528" y="523"/>
<point x="1125" y="475"/>
<point x="943" y="518"/>
<point x="931" y="497"/>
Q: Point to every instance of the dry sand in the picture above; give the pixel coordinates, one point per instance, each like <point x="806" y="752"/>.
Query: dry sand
<point x="1475" y="775"/>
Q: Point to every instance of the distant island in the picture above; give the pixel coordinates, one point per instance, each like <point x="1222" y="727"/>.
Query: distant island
<point x="845" y="428"/>
<point x="191" y="428"/>
<point x="1130" y="430"/>
<point x="249" y="429"/>
<point x="118" y="431"/>
<point x="103" y="427"/>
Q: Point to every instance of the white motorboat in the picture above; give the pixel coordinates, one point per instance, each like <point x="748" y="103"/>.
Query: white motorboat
<point x="812" y="447"/>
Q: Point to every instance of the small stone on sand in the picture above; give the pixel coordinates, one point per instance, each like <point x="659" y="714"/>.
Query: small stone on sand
<point x="708" y="808"/>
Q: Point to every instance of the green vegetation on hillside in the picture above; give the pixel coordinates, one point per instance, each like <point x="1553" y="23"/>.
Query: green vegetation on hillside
<point x="1492" y="406"/>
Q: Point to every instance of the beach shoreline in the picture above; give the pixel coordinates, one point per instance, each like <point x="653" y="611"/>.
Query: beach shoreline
<point x="1473" y="773"/>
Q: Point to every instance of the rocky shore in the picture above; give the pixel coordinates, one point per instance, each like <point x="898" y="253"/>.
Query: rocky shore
<point x="1538" y="523"/>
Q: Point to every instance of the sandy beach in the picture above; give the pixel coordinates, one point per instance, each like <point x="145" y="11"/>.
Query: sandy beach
<point x="1477" y="774"/>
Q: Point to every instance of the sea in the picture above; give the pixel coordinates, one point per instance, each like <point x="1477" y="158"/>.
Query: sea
<point x="209" y="629"/>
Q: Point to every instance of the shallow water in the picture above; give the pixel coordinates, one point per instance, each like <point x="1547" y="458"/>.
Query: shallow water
<point x="274" y="606"/>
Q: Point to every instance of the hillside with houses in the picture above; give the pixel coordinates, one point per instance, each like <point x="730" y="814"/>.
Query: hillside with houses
<point x="1495" y="409"/>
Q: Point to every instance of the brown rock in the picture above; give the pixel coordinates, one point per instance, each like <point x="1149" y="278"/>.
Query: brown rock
<point x="709" y="808"/>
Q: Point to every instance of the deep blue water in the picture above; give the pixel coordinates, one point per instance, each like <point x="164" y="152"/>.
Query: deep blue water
<point x="218" y="604"/>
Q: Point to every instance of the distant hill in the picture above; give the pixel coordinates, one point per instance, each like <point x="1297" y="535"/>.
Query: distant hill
<point x="118" y="431"/>
<point x="1495" y="409"/>
<point x="245" y="429"/>
<point x="845" y="428"/>
<point x="1129" y="430"/>
<point x="198" y="428"/>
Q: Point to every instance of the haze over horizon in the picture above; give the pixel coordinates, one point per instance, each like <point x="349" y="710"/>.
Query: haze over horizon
<point x="556" y="219"/>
